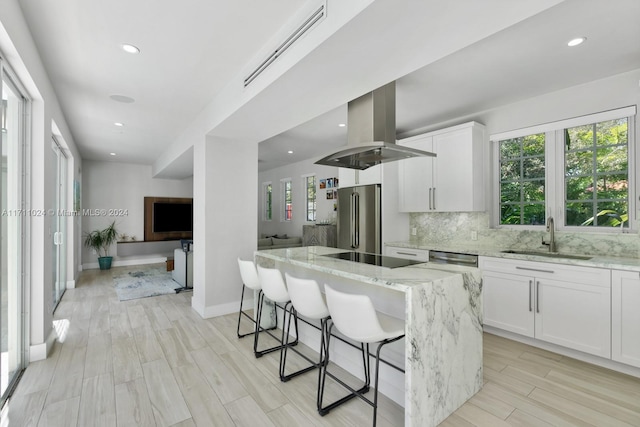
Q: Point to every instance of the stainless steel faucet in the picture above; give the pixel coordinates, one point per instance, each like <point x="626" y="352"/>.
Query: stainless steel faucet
<point x="552" y="235"/>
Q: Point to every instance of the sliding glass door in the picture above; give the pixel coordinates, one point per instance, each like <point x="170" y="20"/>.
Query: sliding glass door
<point x="58" y="223"/>
<point x="12" y="343"/>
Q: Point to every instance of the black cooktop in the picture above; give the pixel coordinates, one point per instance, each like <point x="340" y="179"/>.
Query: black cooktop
<point x="379" y="260"/>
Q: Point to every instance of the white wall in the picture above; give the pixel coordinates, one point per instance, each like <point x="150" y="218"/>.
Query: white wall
<point x="23" y="57"/>
<point x="600" y="95"/>
<point x="295" y="171"/>
<point x="122" y="186"/>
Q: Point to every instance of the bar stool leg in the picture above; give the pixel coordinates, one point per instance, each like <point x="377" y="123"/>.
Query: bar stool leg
<point x="285" y="337"/>
<point x="257" y="329"/>
<point x="293" y="313"/>
<point x="240" y="313"/>
<point x="324" y="359"/>
<point x="353" y="392"/>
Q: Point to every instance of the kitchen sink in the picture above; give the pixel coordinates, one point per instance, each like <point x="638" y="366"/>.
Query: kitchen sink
<point x="548" y="254"/>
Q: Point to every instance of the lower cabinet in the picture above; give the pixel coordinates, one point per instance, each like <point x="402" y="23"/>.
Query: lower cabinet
<point x="560" y="304"/>
<point x="625" y="317"/>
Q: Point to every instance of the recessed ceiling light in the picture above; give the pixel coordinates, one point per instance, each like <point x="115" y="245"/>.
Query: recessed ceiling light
<point x="118" y="124"/>
<point x="112" y="154"/>
<point x="341" y="125"/>
<point x="289" y="152"/>
<point x="122" y="98"/>
<point x="129" y="48"/>
<point x="576" y="41"/>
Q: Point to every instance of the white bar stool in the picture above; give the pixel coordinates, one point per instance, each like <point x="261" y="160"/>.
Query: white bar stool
<point x="308" y="302"/>
<point x="356" y="318"/>
<point x="274" y="288"/>
<point x="249" y="276"/>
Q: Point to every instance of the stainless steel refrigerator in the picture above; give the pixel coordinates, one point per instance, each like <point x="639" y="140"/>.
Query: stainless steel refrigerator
<point x="359" y="223"/>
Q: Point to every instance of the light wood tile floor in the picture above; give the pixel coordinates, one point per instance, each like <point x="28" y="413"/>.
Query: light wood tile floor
<point x="155" y="362"/>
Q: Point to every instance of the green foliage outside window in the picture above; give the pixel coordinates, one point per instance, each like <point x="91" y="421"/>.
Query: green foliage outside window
<point x="310" y="183"/>
<point x="596" y="174"/>
<point x="288" y="203"/>
<point x="268" y="198"/>
<point x="522" y="180"/>
<point x="596" y="177"/>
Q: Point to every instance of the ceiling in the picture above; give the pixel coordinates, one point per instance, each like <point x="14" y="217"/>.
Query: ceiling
<point x="525" y="60"/>
<point x="190" y="50"/>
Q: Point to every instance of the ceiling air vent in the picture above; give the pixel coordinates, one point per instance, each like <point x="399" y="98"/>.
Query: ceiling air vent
<point x="319" y="14"/>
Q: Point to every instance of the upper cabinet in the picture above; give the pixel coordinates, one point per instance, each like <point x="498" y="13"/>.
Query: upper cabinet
<point x="451" y="182"/>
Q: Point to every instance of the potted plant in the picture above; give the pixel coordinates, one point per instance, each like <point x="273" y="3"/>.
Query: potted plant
<point x="100" y="241"/>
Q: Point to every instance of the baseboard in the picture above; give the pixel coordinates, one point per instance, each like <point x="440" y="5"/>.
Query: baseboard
<point x="584" y="357"/>
<point x="41" y="351"/>
<point x="220" y="309"/>
<point x="122" y="262"/>
<point x="71" y="284"/>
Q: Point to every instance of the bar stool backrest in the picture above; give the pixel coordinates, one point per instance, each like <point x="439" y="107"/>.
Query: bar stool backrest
<point x="273" y="285"/>
<point x="249" y="274"/>
<point x="306" y="297"/>
<point x="354" y="316"/>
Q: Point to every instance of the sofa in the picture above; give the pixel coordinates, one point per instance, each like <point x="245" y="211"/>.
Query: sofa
<point x="278" y="242"/>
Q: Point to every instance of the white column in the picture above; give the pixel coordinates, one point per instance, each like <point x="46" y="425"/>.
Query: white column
<point x="225" y="223"/>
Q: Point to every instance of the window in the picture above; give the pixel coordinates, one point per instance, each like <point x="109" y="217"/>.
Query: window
<point x="267" y="198"/>
<point x="596" y="174"/>
<point x="310" y="186"/>
<point x="287" y="207"/>
<point x="522" y="180"/>
<point x="576" y="170"/>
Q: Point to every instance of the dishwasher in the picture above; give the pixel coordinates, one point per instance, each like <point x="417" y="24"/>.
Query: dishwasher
<point x="453" y="258"/>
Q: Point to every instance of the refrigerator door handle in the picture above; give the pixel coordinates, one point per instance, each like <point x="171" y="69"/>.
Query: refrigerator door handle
<point x="355" y="220"/>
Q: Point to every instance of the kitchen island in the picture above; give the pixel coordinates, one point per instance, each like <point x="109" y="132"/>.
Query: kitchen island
<point x="442" y="309"/>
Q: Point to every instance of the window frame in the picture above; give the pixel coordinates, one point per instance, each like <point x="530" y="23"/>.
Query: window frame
<point x="305" y="185"/>
<point x="283" y="191"/>
<point x="554" y="170"/>
<point x="265" y="200"/>
<point x="22" y="262"/>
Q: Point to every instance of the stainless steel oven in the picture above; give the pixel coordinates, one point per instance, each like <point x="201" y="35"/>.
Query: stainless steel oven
<point x="453" y="258"/>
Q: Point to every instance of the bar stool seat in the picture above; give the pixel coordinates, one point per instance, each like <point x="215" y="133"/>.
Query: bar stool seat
<point x="249" y="276"/>
<point x="274" y="289"/>
<point x="308" y="302"/>
<point x="356" y="318"/>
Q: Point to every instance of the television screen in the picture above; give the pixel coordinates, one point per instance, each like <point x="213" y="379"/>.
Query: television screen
<point x="169" y="217"/>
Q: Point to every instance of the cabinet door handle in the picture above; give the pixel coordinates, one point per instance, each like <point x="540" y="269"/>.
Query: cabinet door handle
<point x="533" y="269"/>
<point x="406" y="253"/>
<point x="434" y="198"/>
<point x="430" y="190"/>
<point x="530" y="289"/>
<point x="537" y="296"/>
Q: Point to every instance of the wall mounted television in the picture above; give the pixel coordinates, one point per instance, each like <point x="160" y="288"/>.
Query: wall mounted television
<point x="168" y="218"/>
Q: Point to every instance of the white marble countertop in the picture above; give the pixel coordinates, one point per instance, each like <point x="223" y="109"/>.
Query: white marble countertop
<point x="401" y="278"/>
<point x="600" y="261"/>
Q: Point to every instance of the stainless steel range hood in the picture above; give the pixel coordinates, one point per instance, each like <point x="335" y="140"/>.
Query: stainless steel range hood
<point x="371" y="136"/>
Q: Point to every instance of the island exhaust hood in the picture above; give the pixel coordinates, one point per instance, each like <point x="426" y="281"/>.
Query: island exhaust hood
<point x="371" y="133"/>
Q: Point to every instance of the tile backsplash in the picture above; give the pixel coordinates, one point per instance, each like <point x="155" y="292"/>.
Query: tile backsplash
<point x="456" y="229"/>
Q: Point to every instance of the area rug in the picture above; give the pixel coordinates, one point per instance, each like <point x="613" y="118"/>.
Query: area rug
<point x="144" y="283"/>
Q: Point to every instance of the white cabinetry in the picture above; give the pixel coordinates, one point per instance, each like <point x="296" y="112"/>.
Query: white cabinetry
<point x="625" y="317"/>
<point x="560" y="304"/>
<point x="407" y="253"/>
<point x="452" y="181"/>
